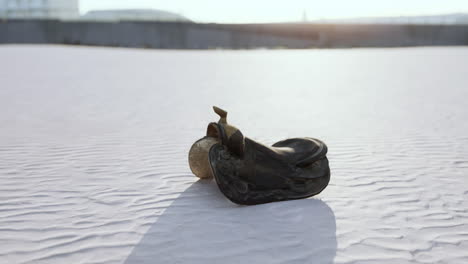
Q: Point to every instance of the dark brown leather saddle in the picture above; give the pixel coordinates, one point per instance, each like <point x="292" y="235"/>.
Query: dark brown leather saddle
<point x="248" y="172"/>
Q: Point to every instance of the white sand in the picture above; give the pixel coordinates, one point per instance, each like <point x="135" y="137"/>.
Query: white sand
<point x="94" y="142"/>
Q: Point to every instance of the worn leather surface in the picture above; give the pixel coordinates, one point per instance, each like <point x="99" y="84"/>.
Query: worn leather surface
<point x="290" y="169"/>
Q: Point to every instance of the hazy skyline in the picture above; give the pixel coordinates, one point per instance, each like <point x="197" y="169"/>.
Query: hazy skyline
<point x="244" y="11"/>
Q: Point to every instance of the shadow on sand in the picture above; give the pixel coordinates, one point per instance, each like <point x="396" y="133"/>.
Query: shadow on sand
<point x="202" y="226"/>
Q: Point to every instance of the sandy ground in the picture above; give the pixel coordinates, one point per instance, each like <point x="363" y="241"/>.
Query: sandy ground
<point x="94" y="142"/>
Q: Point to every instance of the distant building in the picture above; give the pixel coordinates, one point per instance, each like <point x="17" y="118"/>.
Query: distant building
<point x="43" y="9"/>
<point x="134" y="15"/>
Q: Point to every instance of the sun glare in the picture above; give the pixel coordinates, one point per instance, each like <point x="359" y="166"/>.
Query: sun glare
<point x="244" y="11"/>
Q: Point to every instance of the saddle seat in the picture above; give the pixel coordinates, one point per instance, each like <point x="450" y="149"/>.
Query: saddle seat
<point x="300" y="152"/>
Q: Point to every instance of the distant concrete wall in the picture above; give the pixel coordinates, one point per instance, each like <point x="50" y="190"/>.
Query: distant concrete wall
<point x="167" y="35"/>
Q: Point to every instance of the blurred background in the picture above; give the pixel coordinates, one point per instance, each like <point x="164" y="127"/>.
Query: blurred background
<point x="210" y="24"/>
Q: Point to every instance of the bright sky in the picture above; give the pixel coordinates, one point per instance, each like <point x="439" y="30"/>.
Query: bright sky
<point x="244" y="11"/>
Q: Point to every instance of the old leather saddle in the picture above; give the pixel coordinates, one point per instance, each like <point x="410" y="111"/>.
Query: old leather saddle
<point x="248" y="172"/>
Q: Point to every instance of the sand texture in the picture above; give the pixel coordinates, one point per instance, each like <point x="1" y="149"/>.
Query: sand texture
<point x="94" y="144"/>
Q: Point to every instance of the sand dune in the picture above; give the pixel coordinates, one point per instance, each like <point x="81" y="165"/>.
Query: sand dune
<point x="94" y="142"/>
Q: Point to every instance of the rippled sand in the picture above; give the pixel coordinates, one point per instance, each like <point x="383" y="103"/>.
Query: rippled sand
<point x="94" y="142"/>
